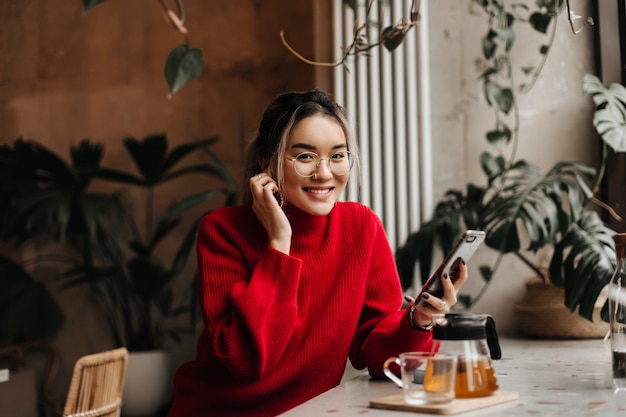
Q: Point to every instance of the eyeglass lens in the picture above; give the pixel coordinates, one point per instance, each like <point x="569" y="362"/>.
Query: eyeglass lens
<point x="307" y="163"/>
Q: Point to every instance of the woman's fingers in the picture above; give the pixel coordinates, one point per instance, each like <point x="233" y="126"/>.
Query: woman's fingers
<point x="263" y="188"/>
<point x="268" y="210"/>
<point x="461" y="272"/>
<point x="435" y="305"/>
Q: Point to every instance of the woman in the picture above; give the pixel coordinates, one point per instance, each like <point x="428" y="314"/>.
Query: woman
<point x="293" y="282"/>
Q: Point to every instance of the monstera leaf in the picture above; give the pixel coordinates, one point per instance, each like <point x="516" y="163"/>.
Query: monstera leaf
<point x="583" y="263"/>
<point x="457" y="211"/>
<point x="536" y="201"/>
<point x="610" y="116"/>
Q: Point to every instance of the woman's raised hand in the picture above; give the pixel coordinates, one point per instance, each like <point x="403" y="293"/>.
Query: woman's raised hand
<point x="269" y="211"/>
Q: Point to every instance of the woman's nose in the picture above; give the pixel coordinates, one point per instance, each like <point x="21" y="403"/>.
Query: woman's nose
<point x="323" y="169"/>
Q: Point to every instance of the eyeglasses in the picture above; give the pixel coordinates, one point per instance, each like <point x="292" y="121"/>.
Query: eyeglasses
<point x="307" y="163"/>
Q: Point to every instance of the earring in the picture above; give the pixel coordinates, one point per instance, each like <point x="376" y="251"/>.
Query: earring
<point x="280" y="199"/>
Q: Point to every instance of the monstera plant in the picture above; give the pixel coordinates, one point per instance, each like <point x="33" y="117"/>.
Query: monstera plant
<point x="183" y="64"/>
<point x="524" y="209"/>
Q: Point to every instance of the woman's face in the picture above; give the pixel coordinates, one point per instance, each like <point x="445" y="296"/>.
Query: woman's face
<point x="317" y="194"/>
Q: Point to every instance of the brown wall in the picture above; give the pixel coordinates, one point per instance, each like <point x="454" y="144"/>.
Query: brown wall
<point x="65" y="76"/>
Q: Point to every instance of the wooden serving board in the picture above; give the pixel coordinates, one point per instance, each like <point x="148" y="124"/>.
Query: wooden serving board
<point x="456" y="406"/>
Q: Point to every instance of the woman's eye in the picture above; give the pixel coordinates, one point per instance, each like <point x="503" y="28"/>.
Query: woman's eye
<point x="338" y="155"/>
<point x="305" y="157"/>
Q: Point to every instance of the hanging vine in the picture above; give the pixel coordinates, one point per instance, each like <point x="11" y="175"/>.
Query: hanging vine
<point x="183" y="64"/>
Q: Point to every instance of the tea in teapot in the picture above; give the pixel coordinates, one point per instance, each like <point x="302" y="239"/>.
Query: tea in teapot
<point x="474" y="341"/>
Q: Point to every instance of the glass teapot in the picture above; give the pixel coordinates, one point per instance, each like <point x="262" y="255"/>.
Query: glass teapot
<point x="473" y="339"/>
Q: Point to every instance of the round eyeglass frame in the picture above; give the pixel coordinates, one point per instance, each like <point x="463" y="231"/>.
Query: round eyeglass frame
<point x="319" y="161"/>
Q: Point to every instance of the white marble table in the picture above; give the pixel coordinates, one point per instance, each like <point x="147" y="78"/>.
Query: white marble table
<point x="553" y="378"/>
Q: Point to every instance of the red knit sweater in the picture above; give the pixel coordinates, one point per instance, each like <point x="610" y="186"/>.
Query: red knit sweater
<point x="278" y="328"/>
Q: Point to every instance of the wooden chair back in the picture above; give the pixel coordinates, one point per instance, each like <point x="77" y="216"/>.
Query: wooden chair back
<point x="97" y="385"/>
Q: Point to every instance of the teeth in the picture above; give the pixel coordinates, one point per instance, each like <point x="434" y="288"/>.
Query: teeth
<point x="318" y="191"/>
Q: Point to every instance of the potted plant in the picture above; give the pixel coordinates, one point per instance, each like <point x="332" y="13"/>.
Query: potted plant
<point x="523" y="209"/>
<point x="106" y="253"/>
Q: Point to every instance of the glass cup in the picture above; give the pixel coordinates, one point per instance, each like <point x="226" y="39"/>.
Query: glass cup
<point x="426" y="377"/>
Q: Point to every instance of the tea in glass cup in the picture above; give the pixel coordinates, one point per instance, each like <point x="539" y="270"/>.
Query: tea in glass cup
<point x="425" y="377"/>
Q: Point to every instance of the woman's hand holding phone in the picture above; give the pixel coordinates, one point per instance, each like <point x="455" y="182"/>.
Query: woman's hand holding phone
<point x="269" y="212"/>
<point x="428" y="304"/>
<point x="439" y="293"/>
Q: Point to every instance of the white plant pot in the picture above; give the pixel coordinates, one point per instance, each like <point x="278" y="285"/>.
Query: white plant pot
<point x="148" y="383"/>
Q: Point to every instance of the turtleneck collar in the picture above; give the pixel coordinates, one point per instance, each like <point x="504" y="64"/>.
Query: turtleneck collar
<point x="303" y="222"/>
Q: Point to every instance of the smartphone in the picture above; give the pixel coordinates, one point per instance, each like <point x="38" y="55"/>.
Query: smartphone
<point x="464" y="249"/>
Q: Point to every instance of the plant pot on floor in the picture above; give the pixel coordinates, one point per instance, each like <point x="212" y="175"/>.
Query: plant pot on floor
<point x="542" y="314"/>
<point x="148" y="383"/>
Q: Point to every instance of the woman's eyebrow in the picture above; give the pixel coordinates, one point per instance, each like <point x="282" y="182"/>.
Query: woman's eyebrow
<point x="303" y="146"/>
<point x="312" y="148"/>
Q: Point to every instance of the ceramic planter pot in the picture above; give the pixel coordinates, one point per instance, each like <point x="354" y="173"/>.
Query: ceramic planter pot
<point x="148" y="383"/>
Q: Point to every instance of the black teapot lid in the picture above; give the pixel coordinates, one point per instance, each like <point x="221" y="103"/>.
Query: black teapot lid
<point x="468" y="327"/>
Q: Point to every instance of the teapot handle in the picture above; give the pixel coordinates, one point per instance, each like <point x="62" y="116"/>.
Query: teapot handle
<point x="492" y="339"/>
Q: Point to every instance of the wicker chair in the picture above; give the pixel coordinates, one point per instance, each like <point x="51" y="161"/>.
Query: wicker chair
<point x="97" y="385"/>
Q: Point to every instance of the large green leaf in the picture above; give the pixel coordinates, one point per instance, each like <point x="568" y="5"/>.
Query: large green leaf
<point x="182" y="66"/>
<point x="535" y="202"/>
<point x="610" y="116"/>
<point x="583" y="262"/>
<point x="456" y="212"/>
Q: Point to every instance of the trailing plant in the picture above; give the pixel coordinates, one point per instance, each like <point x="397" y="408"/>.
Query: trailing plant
<point x="392" y="36"/>
<point x="106" y="252"/>
<point x="183" y="64"/>
<point x="521" y="208"/>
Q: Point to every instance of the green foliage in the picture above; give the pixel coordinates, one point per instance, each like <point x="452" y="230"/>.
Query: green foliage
<point x="523" y="209"/>
<point x="28" y="312"/>
<point x="610" y="111"/>
<point x="182" y="66"/>
<point x="88" y="4"/>
<point x="47" y="199"/>
<point x="583" y="263"/>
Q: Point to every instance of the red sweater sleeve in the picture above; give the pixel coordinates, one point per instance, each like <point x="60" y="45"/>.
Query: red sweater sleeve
<point x="384" y="330"/>
<point x="249" y="308"/>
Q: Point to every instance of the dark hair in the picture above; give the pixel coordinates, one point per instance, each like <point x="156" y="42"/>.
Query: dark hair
<point x="267" y="149"/>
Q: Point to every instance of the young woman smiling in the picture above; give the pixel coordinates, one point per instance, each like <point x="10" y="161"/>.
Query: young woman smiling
<point x="293" y="282"/>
